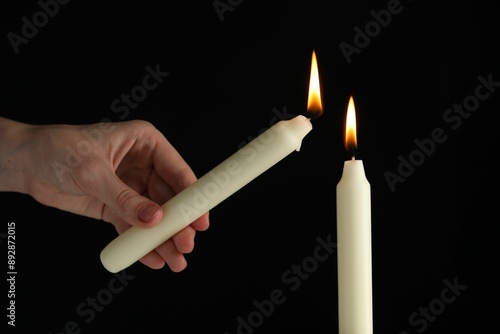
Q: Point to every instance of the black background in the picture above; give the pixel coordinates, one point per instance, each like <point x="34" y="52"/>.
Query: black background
<point x="226" y="78"/>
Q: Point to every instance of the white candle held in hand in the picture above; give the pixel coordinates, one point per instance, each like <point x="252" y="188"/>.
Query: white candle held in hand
<point x="354" y="253"/>
<point x="208" y="191"/>
<point x="225" y="179"/>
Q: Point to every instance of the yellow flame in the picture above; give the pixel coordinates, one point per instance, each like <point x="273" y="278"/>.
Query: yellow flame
<point x="350" y="125"/>
<point x="314" y="104"/>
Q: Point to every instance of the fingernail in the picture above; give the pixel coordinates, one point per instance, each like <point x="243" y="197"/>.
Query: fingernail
<point x="147" y="212"/>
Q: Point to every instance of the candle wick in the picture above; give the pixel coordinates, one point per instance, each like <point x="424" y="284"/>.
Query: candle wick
<point x="352" y="152"/>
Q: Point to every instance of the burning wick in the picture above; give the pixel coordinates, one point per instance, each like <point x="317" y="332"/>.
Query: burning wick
<point x="350" y="131"/>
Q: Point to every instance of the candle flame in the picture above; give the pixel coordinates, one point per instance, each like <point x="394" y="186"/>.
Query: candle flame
<point x="350" y="127"/>
<point x="314" y="105"/>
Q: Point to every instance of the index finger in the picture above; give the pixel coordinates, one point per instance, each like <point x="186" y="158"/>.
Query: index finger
<point x="171" y="166"/>
<point x="175" y="171"/>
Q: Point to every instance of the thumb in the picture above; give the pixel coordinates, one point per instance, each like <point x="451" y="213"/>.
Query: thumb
<point x="129" y="205"/>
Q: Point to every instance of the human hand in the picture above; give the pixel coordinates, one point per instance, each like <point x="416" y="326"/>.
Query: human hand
<point x="117" y="172"/>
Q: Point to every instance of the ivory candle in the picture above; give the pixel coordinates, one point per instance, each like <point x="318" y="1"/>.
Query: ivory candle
<point x="354" y="259"/>
<point x="208" y="191"/>
<point x="225" y="179"/>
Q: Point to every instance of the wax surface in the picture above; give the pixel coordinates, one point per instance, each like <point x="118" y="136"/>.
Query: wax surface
<point x="221" y="182"/>
<point x="354" y="255"/>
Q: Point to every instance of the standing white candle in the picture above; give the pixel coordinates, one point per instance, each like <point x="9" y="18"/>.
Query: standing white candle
<point x="354" y="253"/>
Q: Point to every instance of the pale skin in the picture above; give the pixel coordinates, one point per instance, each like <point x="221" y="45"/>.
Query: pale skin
<point x="116" y="172"/>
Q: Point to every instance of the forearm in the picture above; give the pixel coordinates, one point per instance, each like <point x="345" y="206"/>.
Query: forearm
<point x="13" y="167"/>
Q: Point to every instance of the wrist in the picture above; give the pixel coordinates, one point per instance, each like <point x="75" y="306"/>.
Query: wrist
<point x="13" y="163"/>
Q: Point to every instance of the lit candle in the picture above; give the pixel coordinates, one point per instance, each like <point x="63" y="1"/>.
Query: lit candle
<point x="354" y="263"/>
<point x="225" y="179"/>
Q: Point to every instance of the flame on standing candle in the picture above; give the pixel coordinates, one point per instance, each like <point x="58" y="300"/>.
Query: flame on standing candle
<point x="350" y="129"/>
<point x="314" y="105"/>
